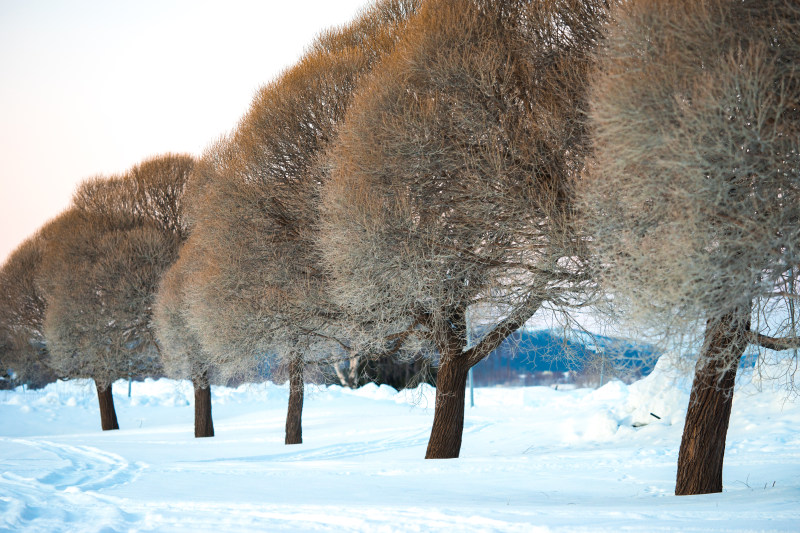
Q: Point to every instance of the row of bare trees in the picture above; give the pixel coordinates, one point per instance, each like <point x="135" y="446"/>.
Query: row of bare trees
<point x="437" y="160"/>
<point x="77" y="297"/>
<point x="259" y="291"/>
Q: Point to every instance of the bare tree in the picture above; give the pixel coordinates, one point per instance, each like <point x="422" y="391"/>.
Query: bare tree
<point x="693" y="195"/>
<point x="182" y="353"/>
<point x="450" y="188"/>
<point x="100" y="276"/>
<point x="101" y="281"/>
<point x="163" y="185"/>
<point x="22" y="307"/>
<point x="261" y="291"/>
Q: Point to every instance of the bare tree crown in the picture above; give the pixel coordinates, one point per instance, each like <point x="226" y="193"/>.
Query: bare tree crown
<point x="693" y="191"/>
<point x="261" y="289"/>
<point x="451" y="173"/>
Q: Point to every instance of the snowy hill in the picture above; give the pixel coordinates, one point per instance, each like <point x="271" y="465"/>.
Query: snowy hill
<point x="533" y="459"/>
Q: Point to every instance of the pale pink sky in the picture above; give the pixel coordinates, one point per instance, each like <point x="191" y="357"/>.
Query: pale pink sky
<point x="92" y="87"/>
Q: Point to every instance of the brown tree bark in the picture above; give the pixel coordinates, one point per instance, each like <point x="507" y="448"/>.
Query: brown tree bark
<point x="108" y="415"/>
<point x="294" y="416"/>
<point x="203" y="423"/>
<point x="448" y="417"/>
<point x="703" y="443"/>
<point x="451" y="378"/>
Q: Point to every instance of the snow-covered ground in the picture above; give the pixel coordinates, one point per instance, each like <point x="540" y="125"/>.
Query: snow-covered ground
<point x="533" y="459"/>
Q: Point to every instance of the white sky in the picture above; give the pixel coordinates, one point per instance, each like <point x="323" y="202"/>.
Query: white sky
<point x="92" y="87"/>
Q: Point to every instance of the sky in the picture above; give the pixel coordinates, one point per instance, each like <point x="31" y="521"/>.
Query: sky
<point x="93" y="87"/>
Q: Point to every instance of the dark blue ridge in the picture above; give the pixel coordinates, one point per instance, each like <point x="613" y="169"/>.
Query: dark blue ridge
<point x="528" y="357"/>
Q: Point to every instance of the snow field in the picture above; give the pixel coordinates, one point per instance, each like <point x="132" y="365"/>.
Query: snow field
<point x="532" y="459"/>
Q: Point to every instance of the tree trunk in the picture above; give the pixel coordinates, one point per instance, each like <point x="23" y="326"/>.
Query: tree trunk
<point x="108" y="416"/>
<point x="455" y="361"/>
<point x="703" y="442"/>
<point x="448" y="417"/>
<point x="352" y="375"/>
<point x="203" y="423"/>
<point x="294" y="416"/>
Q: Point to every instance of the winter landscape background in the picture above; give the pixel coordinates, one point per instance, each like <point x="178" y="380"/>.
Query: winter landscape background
<point x="422" y="183"/>
<point x="533" y="459"/>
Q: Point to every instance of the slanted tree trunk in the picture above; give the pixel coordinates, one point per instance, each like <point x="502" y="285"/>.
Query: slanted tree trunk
<point x="448" y="417"/>
<point x="703" y="442"/>
<point x="108" y="416"/>
<point x="203" y="423"/>
<point x="294" y="416"/>
<point x="451" y="378"/>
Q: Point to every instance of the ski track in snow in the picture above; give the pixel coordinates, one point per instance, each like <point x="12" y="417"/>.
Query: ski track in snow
<point x="65" y="497"/>
<point x="86" y="468"/>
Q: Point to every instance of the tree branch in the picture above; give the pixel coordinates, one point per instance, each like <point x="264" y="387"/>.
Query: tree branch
<point x="500" y="332"/>
<point x="774" y="343"/>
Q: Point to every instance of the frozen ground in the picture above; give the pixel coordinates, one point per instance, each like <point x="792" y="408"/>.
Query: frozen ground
<point x="533" y="459"/>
